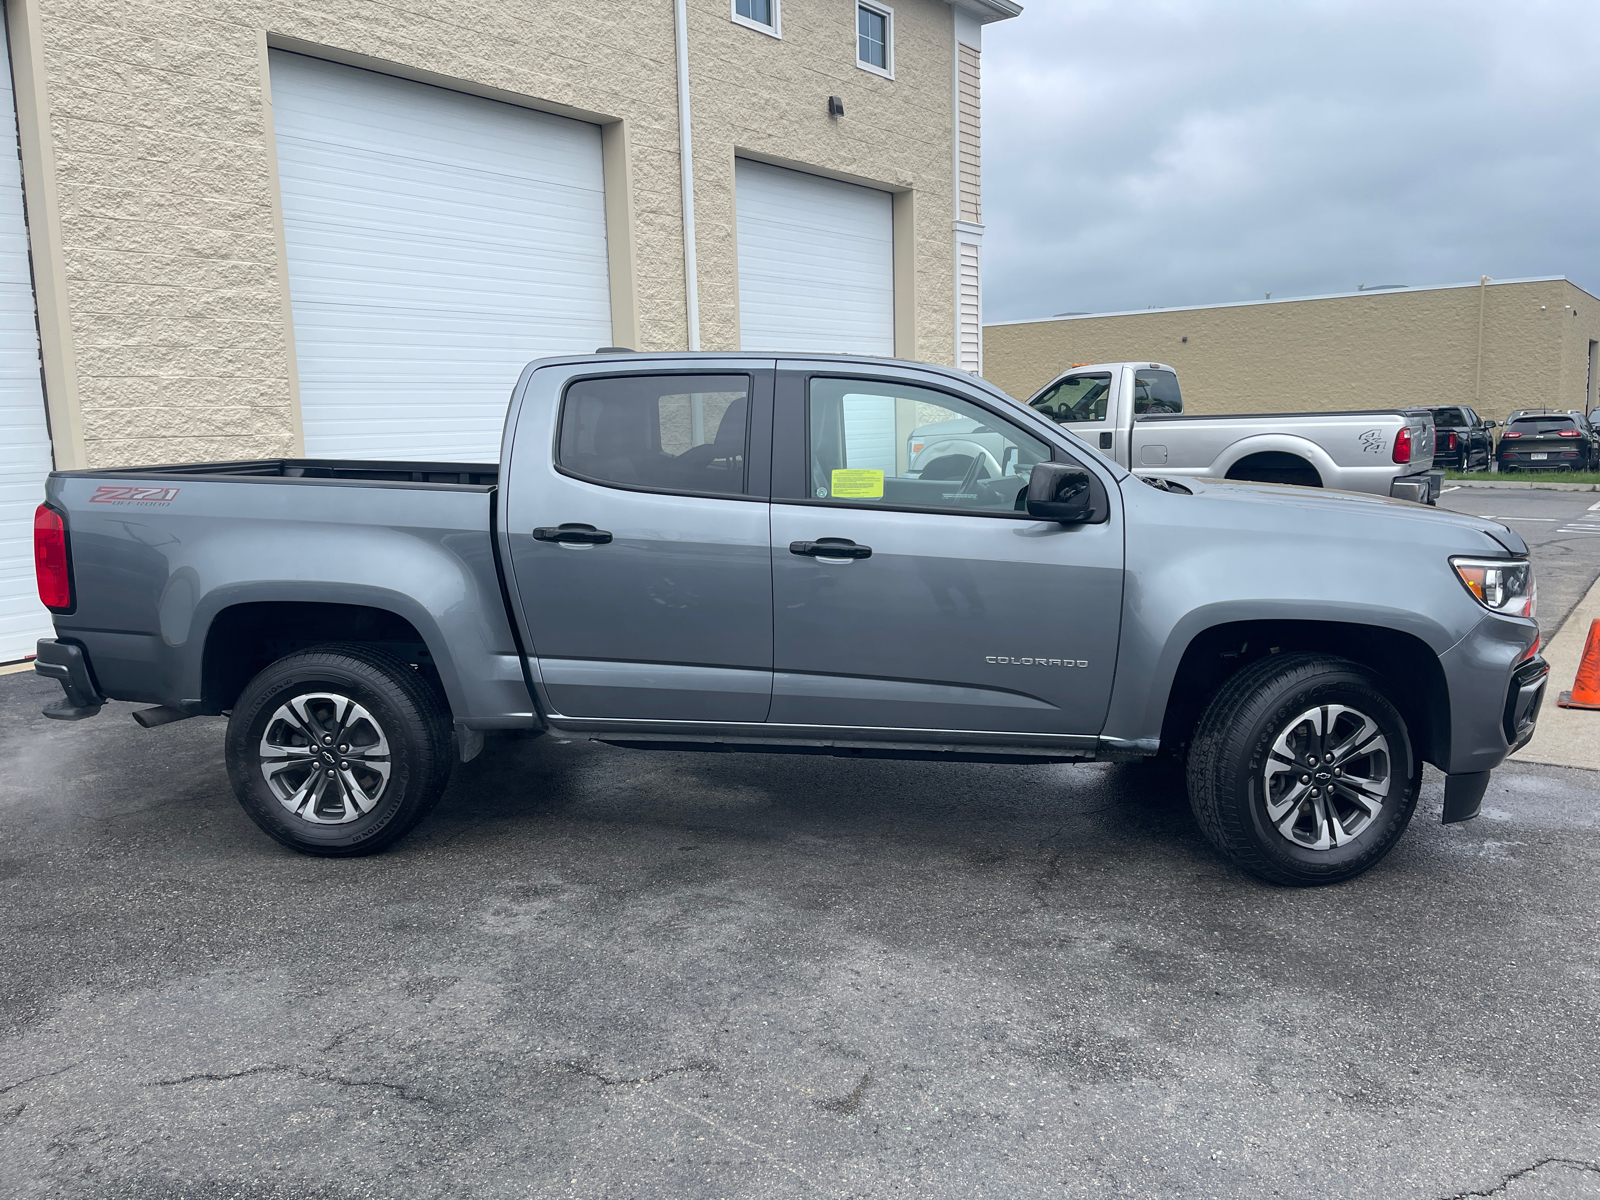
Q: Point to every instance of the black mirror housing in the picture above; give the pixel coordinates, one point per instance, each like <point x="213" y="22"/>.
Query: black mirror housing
<point x="1067" y="493"/>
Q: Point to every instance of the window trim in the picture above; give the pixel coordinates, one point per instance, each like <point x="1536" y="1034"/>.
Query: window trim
<point x="753" y="379"/>
<point x="887" y="13"/>
<point x="1057" y="453"/>
<point x="775" y="30"/>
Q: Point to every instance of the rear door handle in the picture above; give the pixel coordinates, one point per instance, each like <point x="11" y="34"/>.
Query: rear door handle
<point x="830" y="548"/>
<point x="572" y="535"/>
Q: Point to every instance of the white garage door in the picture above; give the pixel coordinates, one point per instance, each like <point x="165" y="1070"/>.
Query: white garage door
<point x="24" y="435"/>
<point x="437" y="242"/>
<point x="816" y="263"/>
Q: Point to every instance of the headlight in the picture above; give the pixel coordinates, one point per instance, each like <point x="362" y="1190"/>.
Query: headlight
<point x="1499" y="585"/>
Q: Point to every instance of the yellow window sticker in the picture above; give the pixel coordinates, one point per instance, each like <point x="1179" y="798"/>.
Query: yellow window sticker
<point x="858" y="485"/>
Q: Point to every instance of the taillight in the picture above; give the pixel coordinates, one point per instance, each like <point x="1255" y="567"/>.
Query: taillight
<point x="1402" y="446"/>
<point x="50" y="560"/>
<point x="1449" y="441"/>
<point x="1510" y="435"/>
<point x="1569" y="433"/>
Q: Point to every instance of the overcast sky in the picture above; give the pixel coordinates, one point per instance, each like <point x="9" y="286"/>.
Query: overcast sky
<point x="1161" y="152"/>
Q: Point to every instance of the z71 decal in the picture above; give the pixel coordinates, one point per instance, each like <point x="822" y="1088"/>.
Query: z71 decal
<point x="123" y="494"/>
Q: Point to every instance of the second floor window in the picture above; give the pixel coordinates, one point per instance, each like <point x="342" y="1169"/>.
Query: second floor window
<point x="874" y="31"/>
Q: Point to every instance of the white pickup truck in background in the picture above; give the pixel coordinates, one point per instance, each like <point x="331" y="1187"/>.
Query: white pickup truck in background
<point x="1133" y="414"/>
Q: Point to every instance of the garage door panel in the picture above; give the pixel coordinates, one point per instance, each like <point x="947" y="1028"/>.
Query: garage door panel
<point x="25" y="457"/>
<point x="816" y="263"/>
<point x="437" y="242"/>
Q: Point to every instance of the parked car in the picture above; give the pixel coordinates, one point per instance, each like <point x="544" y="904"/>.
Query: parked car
<point x="729" y="552"/>
<point x="1548" y="440"/>
<point x="1133" y="414"/>
<point x="1463" y="441"/>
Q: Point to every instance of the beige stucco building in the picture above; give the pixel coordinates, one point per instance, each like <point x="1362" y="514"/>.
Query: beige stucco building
<point x="157" y="190"/>
<point x="1495" y="345"/>
<point x="261" y="228"/>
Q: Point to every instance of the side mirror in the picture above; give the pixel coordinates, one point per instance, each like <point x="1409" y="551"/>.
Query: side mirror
<point x="1490" y="424"/>
<point x="1066" y="493"/>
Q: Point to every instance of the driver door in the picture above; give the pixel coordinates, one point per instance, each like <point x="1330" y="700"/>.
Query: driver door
<point x="1088" y="403"/>
<point x="903" y="602"/>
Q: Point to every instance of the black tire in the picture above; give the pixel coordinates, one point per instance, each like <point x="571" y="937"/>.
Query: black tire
<point x="396" y="764"/>
<point x="1233" y="750"/>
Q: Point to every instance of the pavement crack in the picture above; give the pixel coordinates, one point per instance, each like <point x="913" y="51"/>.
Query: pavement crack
<point x="1575" y="1163"/>
<point x="848" y="1104"/>
<point x="35" y="1078"/>
<point x="399" y="1090"/>
<point x="604" y="1080"/>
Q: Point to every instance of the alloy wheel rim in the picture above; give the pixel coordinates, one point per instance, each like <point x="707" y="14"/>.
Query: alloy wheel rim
<point x="325" y="758"/>
<point x="1327" y="778"/>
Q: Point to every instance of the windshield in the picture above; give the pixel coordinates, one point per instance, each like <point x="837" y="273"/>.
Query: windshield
<point x="1538" y="426"/>
<point x="1076" y="398"/>
<point x="1156" y="392"/>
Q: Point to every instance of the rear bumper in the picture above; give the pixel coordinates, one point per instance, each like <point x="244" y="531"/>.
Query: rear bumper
<point x="1423" y="488"/>
<point x="68" y="664"/>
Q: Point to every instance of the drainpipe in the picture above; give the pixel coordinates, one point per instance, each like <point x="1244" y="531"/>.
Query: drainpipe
<point x="691" y="272"/>
<point x="1477" y="377"/>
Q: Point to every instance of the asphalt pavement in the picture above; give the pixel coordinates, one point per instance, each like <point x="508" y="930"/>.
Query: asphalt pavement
<point x="609" y="973"/>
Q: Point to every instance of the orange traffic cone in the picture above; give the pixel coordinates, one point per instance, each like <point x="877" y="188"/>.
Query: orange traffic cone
<point x="1585" y="691"/>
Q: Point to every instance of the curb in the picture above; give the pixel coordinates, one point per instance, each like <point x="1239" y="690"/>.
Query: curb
<point x="1450" y="484"/>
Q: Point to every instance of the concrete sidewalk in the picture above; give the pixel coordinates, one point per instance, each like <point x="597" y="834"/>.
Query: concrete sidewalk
<point x="1567" y="737"/>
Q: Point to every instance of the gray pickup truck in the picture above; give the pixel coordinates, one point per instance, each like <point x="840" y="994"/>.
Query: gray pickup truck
<point x="732" y="552"/>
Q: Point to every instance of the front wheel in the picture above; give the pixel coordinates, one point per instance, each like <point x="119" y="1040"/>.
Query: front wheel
<point x="338" y="750"/>
<point x="1302" y="771"/>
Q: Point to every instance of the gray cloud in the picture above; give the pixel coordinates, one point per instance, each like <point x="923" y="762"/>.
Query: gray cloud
<point x="1152" y="152"/>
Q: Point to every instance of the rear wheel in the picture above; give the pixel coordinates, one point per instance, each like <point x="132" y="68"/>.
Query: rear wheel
<point x="1302" y="771"/>
<point x="338" y="750"/>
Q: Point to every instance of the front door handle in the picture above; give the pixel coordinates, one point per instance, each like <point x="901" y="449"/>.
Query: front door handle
<point x="830" y="548"/>
<point x="1105" y="441"/>
<point x="572" y="535"/>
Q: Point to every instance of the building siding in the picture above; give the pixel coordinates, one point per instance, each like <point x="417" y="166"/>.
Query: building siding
<point x="1377" y="350"/>
<point x="159" y="124"/>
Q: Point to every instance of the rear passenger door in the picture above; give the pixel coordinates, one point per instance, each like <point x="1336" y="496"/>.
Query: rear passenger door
<point x="637" y="535"/>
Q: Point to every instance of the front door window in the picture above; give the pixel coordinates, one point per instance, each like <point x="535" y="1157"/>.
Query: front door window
<point x="879" y="445"/>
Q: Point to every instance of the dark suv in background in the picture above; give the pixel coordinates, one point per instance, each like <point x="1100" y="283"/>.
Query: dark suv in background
<point x="1548" y="440"/>
<point x="1463" y="440"/>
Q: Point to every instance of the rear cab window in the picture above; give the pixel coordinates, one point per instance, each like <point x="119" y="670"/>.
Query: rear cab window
<point x="874" y="443"/>
<point x="673" y="433"/>
<point x="1450" y="418"/>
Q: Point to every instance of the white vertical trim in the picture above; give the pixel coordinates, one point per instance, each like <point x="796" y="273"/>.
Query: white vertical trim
<point x="969" y="308"/>
<point x="691" y="270"/>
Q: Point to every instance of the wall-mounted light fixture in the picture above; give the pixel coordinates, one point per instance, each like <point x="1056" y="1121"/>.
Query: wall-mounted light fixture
<point x="835" y="106"/>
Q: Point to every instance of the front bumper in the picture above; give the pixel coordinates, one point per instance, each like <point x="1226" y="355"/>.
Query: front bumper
<point x="1463" y="793"/>
<point x="68" y="664"/>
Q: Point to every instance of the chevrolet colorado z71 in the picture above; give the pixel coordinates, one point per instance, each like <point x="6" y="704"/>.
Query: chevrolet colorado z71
<point x="732" y="551"/>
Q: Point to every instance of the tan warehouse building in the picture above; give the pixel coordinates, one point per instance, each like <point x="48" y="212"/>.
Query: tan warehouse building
<point x="1495" y="345"/>
<point x="268" y="228"/>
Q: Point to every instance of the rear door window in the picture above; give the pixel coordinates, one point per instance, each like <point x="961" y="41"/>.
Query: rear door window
<point x="676" y="433"/>
<point x="1156" y="392"/>
<point x="1075" y="398"/>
